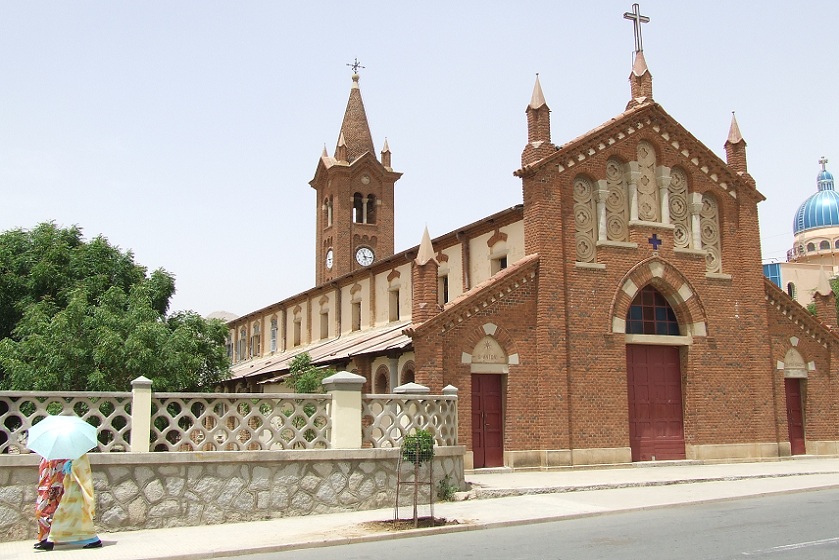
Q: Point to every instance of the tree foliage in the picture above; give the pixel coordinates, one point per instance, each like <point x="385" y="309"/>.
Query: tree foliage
<point x="78" y="315"/>
<point x="306" y="377"/>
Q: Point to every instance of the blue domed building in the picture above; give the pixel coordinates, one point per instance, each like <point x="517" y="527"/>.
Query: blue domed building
<point x="814" y="256"/>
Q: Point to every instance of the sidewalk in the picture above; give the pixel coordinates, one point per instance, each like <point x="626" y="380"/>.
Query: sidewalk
<point x="497" y="499"/>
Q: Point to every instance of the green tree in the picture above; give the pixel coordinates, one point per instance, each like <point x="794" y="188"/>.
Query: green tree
<point x="77" y="315"/>
<point x="305" y="376"/>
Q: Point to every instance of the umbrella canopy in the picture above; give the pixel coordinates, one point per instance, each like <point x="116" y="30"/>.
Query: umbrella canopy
<point x="62" y="437"/>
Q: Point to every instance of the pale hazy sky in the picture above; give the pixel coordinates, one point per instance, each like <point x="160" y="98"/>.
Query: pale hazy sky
<point x="188" y="131"/>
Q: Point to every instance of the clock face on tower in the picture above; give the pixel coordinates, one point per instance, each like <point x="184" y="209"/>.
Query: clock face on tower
<point x="364" y="256"/>
<point x="330" y="259"/>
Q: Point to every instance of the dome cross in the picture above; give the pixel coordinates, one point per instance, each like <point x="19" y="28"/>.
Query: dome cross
<point x="823" y="162"/>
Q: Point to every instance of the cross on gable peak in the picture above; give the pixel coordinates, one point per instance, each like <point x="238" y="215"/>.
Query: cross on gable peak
<point x="637" y="20"/>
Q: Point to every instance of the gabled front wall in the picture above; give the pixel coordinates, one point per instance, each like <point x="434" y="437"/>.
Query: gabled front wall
<point x="726" y="379"/>
<point x="791" y="328"/>
<point x="507" y="314"/>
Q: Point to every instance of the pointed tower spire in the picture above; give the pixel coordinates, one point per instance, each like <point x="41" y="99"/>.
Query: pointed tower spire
<point x="538" y="127"/>
<point x="424" y="288"/>
<point x="355" y="131"/>
<point x="735" y="148"/>
<point x="640" y="81"/>
<point x="341" y="148"/>
<point x="354" y="215"/>
<point x="386" y="155"/>
<point x="426" y="250"/>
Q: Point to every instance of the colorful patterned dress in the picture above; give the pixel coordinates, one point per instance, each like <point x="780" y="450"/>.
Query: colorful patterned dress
<point x="72" y="522"/>
<point x="50" y="490"/>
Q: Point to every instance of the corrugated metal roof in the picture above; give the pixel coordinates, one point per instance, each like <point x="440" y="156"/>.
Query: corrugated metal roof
<point x="370" y="341"/>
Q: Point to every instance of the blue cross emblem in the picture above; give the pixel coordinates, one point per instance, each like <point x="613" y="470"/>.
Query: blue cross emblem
<point x="655" y="241"/>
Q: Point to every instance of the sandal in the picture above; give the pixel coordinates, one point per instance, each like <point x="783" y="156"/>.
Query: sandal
<point x="44" y="545"/>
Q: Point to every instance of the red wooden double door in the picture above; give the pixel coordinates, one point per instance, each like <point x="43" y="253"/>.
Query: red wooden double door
<point x="654" y="382"/>
<point x="487" y="420"/>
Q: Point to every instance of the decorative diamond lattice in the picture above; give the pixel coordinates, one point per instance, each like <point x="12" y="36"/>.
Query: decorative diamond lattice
<point x="386" y="420"/>
<point x="255" y="421"/>
<point x="109" y="412"/>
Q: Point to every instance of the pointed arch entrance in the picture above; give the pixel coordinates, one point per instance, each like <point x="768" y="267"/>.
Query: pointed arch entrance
<point x="795" y="377"/>
<point x="489" y="362"/>
<point x="654" y="380"/>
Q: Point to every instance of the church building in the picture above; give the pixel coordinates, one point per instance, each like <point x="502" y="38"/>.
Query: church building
<point x="814" y="257"/>
<point x="619" y="314"/>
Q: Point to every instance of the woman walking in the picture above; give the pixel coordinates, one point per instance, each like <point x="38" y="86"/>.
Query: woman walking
<point x="71" y="520"/>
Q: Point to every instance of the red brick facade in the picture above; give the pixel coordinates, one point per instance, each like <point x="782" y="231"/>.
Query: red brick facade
<point x="565" y="396"/>
<point x="622" y="306"/>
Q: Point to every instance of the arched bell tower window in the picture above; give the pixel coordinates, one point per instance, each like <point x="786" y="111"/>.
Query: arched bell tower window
<point x="824" y="245"/>
<point x="651" y="314"/>
<point x="327" y="207"/>
<point x="363" y="209"/>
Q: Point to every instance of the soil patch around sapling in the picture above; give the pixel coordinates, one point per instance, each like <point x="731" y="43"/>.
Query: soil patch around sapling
<point x="407" y="524"/>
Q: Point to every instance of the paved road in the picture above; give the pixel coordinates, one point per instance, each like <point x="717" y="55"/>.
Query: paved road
<point x="800" y="526"/>
<point x="531" y="497"/>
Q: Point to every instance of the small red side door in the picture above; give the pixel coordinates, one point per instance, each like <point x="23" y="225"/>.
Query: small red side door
<point x="795" y="416"/>
<point x="487" y="421"/>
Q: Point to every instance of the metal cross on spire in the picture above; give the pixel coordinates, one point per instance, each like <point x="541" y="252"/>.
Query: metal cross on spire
<point x="355" y="66"/>
<point x="637" y="20"/>
<point x="823" y="162"/>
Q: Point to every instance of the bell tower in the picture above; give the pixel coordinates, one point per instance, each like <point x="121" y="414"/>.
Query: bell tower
<point x="354" y="210"/>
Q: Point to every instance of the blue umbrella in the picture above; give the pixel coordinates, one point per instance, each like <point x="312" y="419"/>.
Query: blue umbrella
<point x="62" y="437"/>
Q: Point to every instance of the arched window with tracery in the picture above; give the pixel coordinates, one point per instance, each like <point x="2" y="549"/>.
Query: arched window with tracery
<point x="327" y="207"/>
<point x="363" y="209"/>
<point x="650" y="313"/>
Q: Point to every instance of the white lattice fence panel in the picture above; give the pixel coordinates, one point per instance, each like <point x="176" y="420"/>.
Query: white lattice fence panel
<point x="386" y="420"/>
<point x="237" y="422"/>
<point x="109" y="412"/>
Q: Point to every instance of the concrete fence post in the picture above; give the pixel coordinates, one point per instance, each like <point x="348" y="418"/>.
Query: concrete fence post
<point x="140" y="414"/>
<point x="411" y="389"/>
<point x="345" y="388"/>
